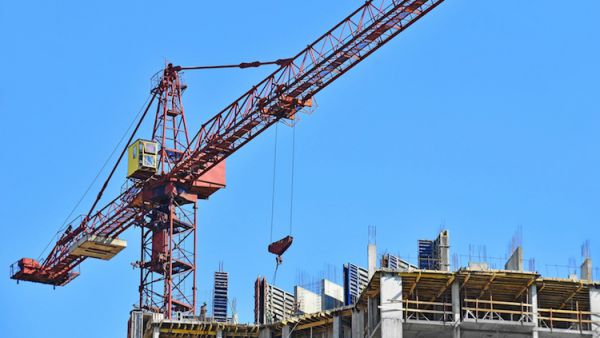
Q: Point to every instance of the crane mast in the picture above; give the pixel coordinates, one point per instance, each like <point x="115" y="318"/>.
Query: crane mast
<point x="164" y="203"/>
<point x="168" y="224"/>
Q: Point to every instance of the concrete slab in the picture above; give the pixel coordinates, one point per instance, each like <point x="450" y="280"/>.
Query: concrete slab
<point x="560" y="333"/>
<point x="497" y="326"/>
<point x="418" y="328"/>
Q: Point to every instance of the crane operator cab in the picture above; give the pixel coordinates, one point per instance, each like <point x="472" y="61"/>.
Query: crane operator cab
<point x="142" y="159"/>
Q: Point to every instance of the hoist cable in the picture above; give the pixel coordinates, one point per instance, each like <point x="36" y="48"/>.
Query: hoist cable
<point x="292" y="179"/>
<point x="275" y="273"/>
<point x="121" y="156"/>
<point x="274" y="176"/>
<point x="87" y="190"/>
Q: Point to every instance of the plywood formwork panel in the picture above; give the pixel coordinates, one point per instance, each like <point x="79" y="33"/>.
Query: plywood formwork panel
<point x="498" y="285"/>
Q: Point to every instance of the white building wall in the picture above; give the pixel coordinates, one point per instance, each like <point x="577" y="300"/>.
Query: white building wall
<point x="307" y="301"/>
<point x="332" y="295"/>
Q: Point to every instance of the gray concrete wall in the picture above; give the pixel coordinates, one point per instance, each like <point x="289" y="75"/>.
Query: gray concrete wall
<point x="358" y="323"/>
<point x="515" y="262"/>
<point x="586" y="270"/>
<point x="595" y="309"/>
<point x="391" y="306"/>
<point x="337" y="327"/>
<point x="265" y="332"/>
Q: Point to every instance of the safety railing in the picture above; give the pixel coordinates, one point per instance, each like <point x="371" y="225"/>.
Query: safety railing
<point x="576" y="320"/>
<point x="14" y="269"/>
<point x="516" y="312"/>
<point x="427" y="311"/>
<point x="479" y="309"/>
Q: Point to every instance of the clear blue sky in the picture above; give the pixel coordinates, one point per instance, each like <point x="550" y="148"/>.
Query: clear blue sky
<point x="482" y="117"/>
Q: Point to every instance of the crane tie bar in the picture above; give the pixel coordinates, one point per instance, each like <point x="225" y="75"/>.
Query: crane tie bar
<point x="253" y="64"/>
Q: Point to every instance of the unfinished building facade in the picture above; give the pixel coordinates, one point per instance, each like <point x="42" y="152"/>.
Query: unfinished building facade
<point x="402" y="300"/>
<point x="425" y="303"/>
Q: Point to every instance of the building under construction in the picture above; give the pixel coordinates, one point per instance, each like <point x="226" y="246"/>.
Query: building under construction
<point x="407" y="301"/>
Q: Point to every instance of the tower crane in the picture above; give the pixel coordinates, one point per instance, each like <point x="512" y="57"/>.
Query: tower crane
<point x="172" y="170"/>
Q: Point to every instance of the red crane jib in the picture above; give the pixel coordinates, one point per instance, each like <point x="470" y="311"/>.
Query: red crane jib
<point x="201" y="170"/>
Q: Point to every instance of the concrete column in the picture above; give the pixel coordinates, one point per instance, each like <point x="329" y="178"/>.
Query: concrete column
<point x="391" y="306"/>
<point x="285" y="332"/>
<point x="533" y="301"/>
<point x="155" y="331"/>
<point x="456" y="310"/>
<point x="595" y="309"/>
<point x="219" y="333"/>
<point x="586" y="270"/>
<point x="358" y="323"/>
<point x="444" y="250"/>
<point x="337" y="327"/>
<point x="372" y="314"/>
<point x="372" y="259"/>
<point x="346" y="331"/>
<point x="264" y="332"/>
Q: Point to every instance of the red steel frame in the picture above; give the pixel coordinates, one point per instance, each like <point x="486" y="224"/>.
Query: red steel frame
<point x="168" y="230"/>
<point x="168" y="278"/>
<point x="281" y="95"/>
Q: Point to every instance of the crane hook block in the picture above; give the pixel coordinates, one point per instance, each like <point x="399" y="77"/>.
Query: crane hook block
<point x="280" y="246"/>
